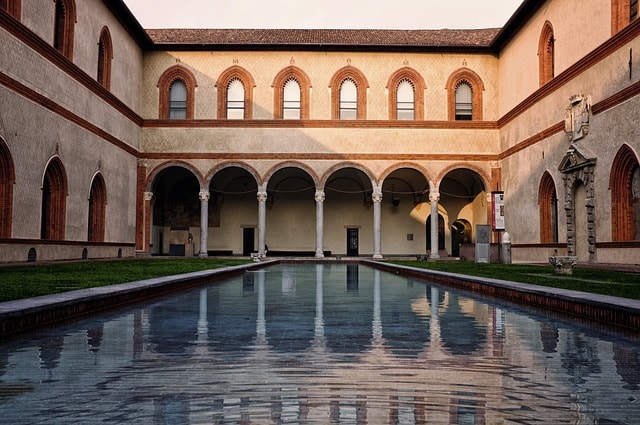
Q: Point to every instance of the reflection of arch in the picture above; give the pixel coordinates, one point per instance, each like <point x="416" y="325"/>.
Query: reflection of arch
<point x="624" y="184"/>
<point x="97" y="209"/>
<point x="548" y="206"/>
<point x="354" y="74"/>
<point x="416" y="81"/>
<point x="7" y="179"/>
<point x="465" y="75"/>
<point x="289" y="73"/>
<point x="170" y="76"/>
<point x="54" y="201"/>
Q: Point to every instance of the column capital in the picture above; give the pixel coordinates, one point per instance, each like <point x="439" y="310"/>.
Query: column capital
<point x="262" y="196"/>
<point x="319" y="196"/>
<point x="204" y="195"/>
<point x="148" y="196"/>
<point x="143" y="163"/>
<point x="376" y="196"/>
<point x="434" y="196"/>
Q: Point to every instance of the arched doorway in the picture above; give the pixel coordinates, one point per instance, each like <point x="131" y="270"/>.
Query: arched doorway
<point x="54" y="201"/>
<point x="176" y="211"/>
<point x="460" y="234"/>
<point x="233" y="212"/>
<point x="97" y="209"/>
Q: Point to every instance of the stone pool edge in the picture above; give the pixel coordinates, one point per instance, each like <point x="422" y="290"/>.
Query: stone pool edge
<point x="30" y="313"/>
<point x="605" y="309"/>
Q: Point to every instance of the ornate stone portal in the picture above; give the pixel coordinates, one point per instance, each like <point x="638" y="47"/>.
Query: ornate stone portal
<point x="578" y="166"/>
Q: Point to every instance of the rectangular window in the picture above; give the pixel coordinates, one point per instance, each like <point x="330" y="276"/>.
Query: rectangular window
<point x="633" y="10"/>
<point x="348" y="110"/>
<point x="235" y="110"/>
<point x="291" y="110"/>
<point x="177" y="109"/>
<point x="404" y="111"/>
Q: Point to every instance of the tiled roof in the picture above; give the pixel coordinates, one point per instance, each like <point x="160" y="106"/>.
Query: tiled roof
<point x="475" y="38"/>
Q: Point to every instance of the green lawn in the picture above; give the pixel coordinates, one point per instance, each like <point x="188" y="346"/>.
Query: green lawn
<point x="43" y="279"/>
<point x="605" y="282"/>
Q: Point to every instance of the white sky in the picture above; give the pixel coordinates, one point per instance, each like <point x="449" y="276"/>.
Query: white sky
<point x="319" y="14"/>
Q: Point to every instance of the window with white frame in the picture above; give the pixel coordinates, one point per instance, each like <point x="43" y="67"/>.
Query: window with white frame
<point x="291" y="100"/>
<point x="405" y="104"/>
<point x="235" y="100"/>
<point x="348" y="100"/>
<point x="464" y="102"/>
<point x="178" y="100"/>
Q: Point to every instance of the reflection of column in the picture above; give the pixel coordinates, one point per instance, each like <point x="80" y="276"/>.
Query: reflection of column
<point x="319" y="224"/>
<point x="262" y="222"/>
<point x="434" y="325"/>
<point x="319" y="321"/>
<point x="261" y="324"/>
<point x="433" y="198"/>
<point x="203" y="325"/>
<point x="376" y="323"/>
<point x="204" y="222"/>
<point x="148" y="196"/>
<point x="377" y="199"/>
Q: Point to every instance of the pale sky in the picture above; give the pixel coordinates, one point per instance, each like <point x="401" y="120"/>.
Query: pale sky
<point x="323" y="14"/>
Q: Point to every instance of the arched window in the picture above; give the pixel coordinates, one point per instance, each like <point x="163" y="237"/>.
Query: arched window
<point x="178" y="100"/>
<point x="291" y="94"/>
<point x="348" y="100"/>
<point x="235" y="94"/>
<point x="7" y="178"/>
<point x="12" y="7"/>
<point x="97" y="210"/>
<point x="65" y="20"/>
<point x="623" y="12"/>
<point x="54" y="201"/>
<point x="105" y="54"/>
<point x="464" y="102"/>
<point x="177" y="92"/>
<point x="624" y="184"/>
<point x="349" y="94"/>
<point x="406" y="95"/>
<point x="464" y="95"/>
<point x="235" y="100"/>
<point x="548" y="206"/>
<point x="546" y="54"/>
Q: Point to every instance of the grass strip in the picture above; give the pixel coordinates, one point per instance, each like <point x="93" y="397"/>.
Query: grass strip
<point x="26" y="281"/>
<point x="597" y="281"/>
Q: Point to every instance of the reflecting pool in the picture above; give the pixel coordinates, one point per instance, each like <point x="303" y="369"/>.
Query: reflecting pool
<point x="320" y="344"/>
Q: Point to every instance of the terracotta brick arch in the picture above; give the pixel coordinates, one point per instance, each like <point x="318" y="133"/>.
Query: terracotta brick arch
<point x="97" y="209"/>
<point x="168" y="77"/>
<point x="13" y="7"/>
<point x="418" y="84"/>
<point x="354" y="74"/>
<point x="548" y="207"/>
<point x="546" y="54"/>
<point x="624" y="184"/>
<point x="465" y="75"/>
<point x="64" y="25"/>
<point x="291" y="73"/>
<point x="7" y="179"/>
<point x="105" y="55"/>
<point x="54" y="201"/>
<point x="365" y="170"/>
<point x="225" y="78"/>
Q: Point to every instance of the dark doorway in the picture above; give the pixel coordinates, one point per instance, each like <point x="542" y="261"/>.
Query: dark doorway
<point x="248" y="236"/>
<point x="352" y="242"/>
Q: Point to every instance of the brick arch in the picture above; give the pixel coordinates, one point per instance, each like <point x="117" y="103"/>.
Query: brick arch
<point x="168" y="77"/>
<point x="465" y="75"/>
<point x="105" y="55"/>
<point x="7" y="179"/>
<point x="368" y="172"/>
<point x="291" y="73"/>
<point x="353" y="73"/>
<point x="470" y="167"/>
<point x="416" y="80"/>
<point x="293" y="164"/>
<point x="546" y="54"/>
<point x="97" y="209"/>
<point x="228" y="75"/>
<point x="54" y="201"/>
<point x="182" y="164"/>
<point x="548" y="209"/>
<point x="624" y="227"/>
<point x="410" y="165"/>
<point x="64" y="25"/>
<point x="13" y="7"/>
<point x="238" y="164"/>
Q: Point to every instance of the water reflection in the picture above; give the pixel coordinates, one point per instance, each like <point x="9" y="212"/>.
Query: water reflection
<point x="321" y="344"/>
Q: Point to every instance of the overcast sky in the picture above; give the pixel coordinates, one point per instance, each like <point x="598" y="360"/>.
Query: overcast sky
<point x="330" y="14"/>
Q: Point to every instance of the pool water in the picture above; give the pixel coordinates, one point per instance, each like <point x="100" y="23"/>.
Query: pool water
<point x="321" y="344"/>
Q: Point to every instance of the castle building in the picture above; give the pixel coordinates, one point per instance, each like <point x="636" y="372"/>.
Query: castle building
<point x="117" y="141"/>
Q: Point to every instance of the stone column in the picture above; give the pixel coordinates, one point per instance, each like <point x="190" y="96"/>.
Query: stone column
<point x="262" y="222"/>
<point x="434" y="197"/>
<point x="376" y="197"/>
<point x="148" y="196"/>
<point x="204" y="222"/>
<point x="319" y="223"/>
